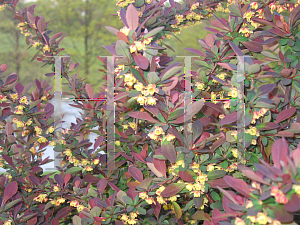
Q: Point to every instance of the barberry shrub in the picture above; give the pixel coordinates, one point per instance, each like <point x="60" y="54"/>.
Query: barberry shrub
<point x="166" y="168"/>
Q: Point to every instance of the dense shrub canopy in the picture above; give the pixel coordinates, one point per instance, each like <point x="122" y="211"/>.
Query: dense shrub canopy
<point x="215" y="145"/>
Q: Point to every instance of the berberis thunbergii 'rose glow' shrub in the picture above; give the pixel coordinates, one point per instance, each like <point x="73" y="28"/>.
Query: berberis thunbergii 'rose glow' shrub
<point x="166" y="169"/>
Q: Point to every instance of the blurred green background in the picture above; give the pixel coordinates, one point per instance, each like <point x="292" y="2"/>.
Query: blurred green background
<point x="84" y="21"/>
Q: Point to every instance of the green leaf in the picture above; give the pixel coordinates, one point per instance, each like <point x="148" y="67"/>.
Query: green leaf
<point x="188" y="205"/>
<point x="122" y="48"/>
<point x="141" y="211"/>
<point x="127" y="200"/>
<point x="177" y="209"/>
<point x="216" y="174"/>
<point x="154" y="32"/>
<point x="10" y="205"/>
<point x="73" y="170"/>
<point x="153" y="77"/>
<point x="172" y="71"/>
<point x="235" y="10"/>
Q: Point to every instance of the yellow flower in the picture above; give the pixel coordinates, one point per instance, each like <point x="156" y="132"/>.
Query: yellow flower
<point x="88" y="168"/>
<point x="19" y="112"/>
<point x="131" y="221"/>
<point x="20" y="107"/>
<point x="44" y="98"/>
<point x="36" y="44"/>
<point x="125" y="30"/>
<point x="84" y="162"/>
<point x="249" y="204"/>
<point x="148" y="1"/>
<point x="143" y="195"/>
<point x="173" y="198"/>
<point x="42" y="140"/>
<point x="147" y="40"/>
<point x="51" y="129"/>
<point x="27" y="34"/>
<point x="32" y="150"/>
<point x="61" y="200"/>
<point x="139" y="46"/>
<point x="139" y="86"/>
<point x="38" y="130"/>
<point x="159" y="190"/>
<point x="14" y="96"/>
<point x="248" y="15"/>
<point x="253" y="142"/>
<point x="252" y="218"/>
<point x="200" y="86"/>
<point x="56" y="189"/>
<point x="202" y="178"/>
<point x="297" y="189"/>
<point x="68" y="152"/>
<point x="189" y="186"/>
<point x="40" y="198"/>
<point x="152" y="135"/>
<point x="254" y="5"/>
<point x="96" y="161"/>
<point x="133" y="125"/>
<point x="151" y="89"/>
<point x="170" y="137"/>
<point x="160" y="200"/>
<point x="7" y="222"/>
<point x="197" y="193"/>
<point x="198" y="186"/>
<point x="210" y="167"/>
<point x="24" y="100"/>
<point x="29" y="122"/>
<point x="1" y="8"/>
<point x="117" y="143"/>
<point x="275" y="222"/>
<point x="195" y="6"/>
<point x="46" y="48"/>
<point x="179" y="18"/>
<point x="125" y="127"/>
<point x="132" y="48"/>
<point x="262" y="218"/>
<point x="74" y="203"/>
<point x="150" y="101"/>
<point x="197" y="17"/>
<point x="3" y="98"/>
<point x="239" y="221"/>
<point x="158" y="130"/>
<point x="80" y="208"/>
<point x="140" y="99"/>
<point x="124" y="217"/>
<point x="149" y="200"/>
<point x="235" y="152"/>
<point x="233" y="93"/>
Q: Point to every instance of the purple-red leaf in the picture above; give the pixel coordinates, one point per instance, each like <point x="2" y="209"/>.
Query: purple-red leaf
<point x="132" y="17"/>
<point x="285" y="114"/>
<point x="172" y="189"/>
<point x="253" y="46"/>
<point x="168" y="151"/>
<point x="141" y="61"/>
<point x="238" y="185"/>
<point x="9" y="191"/>
<point x="185" y="176"/>
<point x="143" y="116"/>
<point x="195" y="51"/>
<point x="62" y="213"/>
<point x="280" y="150"/>
<point x="59" y="180"/>
<point x="229" y="119"/>
<point x="136" y="173"/>
<point x="89" y="178"/>
<point x="210" y="40"/>
<point x="101" y="185"/>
